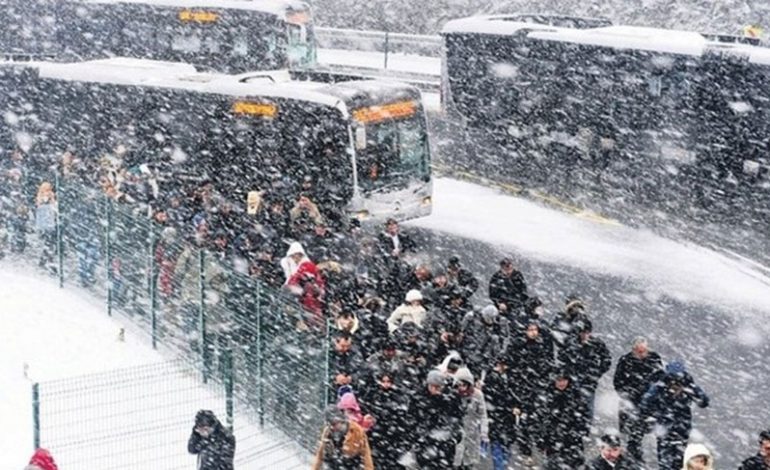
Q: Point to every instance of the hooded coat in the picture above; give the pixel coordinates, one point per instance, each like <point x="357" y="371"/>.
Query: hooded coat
<point x="349" y="404"/>
<point x="352" y="453"/>
<point x="42" y="460"/>
<point x="308" y="282"/>
<point x="215" y="452"/>
<point x="694" y="450"/>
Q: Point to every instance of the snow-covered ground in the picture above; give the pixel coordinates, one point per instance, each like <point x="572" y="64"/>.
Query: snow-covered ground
<point x="51" y="334"/>
<point x="687" y="272"/>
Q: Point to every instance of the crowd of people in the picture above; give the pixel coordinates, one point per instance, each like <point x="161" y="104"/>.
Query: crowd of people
<point x="427" y="368"/>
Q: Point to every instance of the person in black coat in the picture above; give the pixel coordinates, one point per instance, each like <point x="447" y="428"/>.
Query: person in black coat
<point x="507" y="289"/>
<point x="345" y="365"/>
<point x="531" y="361"/>
<point x="392" y="243"/>
<point x="590" y="359"/>
<point x="388" y="404"/>
<point x="462" y="279"/>
<point x="761" y="461"/>
<point x="436" y="416"/>
<point x="211" y="442"/>
<point x="567" y="323"/>
<point x="442" y="327"/>
<point x="503" y="411"/>
<point x="561" y="420"/>
<point x="611" y="455"/>
<point x="669" y="402"/>
<point x="635" y="373"/>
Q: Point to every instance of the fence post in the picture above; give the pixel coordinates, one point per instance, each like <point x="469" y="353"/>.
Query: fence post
<point x="327" y="357"/>
<point x="227" y="355"/>
<point x="36" y="415"/>
<point x="59" y="241"/>
<point x="260" y="372"/>
<point x="108" y="244"/>
<point x="387" y="47"/>
<point x="153" y="286"/>
<point x="202" y="349"/>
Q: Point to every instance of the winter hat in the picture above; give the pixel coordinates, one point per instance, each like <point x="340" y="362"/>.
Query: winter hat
<point x="675" y="369"/>
<point x="413" y="295"/>
<point x="764" y="436"/>
<point x="610" y="440"/>
<point x="348" y="401"/>
<point x="43" y="460"/>
<point x="531" y="304"/>
<point x="333" y="414"/>
<point x="574" y="303"/>
<point x="697" y="450"/>
<point x="435" y="377"/>
<point x="454" y="261"/>
<point x="464" y="374"/>
<point x="295" y="249"/>
<point x="489" y="313"/>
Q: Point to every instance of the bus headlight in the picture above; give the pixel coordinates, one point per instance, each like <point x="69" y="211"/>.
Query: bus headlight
<point x="427" y="201"/>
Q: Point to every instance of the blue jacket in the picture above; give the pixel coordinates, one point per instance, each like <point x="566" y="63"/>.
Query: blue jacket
<point x="670" y="400"/>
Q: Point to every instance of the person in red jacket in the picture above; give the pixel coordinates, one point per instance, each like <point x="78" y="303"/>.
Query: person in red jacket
<point x="304" y="280"/>
<point x="41" y="460"/>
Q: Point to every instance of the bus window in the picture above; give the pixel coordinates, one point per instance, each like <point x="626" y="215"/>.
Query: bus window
<point x="395" y="153"/>
<point x="186" y="43"/>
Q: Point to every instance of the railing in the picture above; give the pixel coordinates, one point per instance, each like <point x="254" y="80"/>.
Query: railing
<point x="379" y="41"/>
<point x="241" y="335"/>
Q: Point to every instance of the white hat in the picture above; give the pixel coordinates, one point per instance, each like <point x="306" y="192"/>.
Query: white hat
<point x="413" y="295"/>
<point x="296" y="249"/>
<point x="464" y="374"/>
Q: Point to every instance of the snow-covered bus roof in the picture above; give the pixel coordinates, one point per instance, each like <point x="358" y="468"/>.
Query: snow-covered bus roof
<point x="655" y="40"/>
<point x="271" y="84"/>
<point x="274" y="7"/>
<point x="631" y="37"/>
<point x="511" y="24"/>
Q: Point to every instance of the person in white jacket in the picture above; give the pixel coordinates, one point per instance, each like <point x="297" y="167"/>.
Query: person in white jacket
<point x="698" y="457"/>
<point x="410" y="311"/>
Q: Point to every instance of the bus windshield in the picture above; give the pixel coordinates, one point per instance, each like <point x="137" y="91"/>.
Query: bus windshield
<point x="392" y="153"/>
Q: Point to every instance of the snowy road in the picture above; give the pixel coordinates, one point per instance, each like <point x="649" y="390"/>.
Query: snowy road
<point x="694" y="304"/>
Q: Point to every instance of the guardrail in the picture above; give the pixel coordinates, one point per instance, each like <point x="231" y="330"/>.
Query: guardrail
<point x="379" y="41"/>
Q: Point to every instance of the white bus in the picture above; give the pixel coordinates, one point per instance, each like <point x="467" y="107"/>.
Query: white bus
<point x="362" y="145"/>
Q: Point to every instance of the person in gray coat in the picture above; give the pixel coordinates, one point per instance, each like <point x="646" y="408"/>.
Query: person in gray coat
<point x="486" y="334"/>
<point x="475" y="421"/>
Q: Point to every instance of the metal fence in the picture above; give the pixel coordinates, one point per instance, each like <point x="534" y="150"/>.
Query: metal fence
<point x="131" y="418"/>
<point x="379" y="41"/>
<point x="242" y="337"/>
